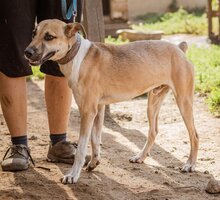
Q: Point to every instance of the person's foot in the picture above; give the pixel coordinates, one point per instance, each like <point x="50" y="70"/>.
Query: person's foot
<point x="16" y="158"/>
<point x="63" y="152"/>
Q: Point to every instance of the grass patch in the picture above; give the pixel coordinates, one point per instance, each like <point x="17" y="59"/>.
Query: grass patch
<point x="115" y="41"/>
<point x="207" y="67"/>
<point x="181" y="21"/>
<point x="37" y="74"/>
<point x="214" y="101"/>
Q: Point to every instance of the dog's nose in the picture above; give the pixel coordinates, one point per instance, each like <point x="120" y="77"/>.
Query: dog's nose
<point x="29" y="52"/>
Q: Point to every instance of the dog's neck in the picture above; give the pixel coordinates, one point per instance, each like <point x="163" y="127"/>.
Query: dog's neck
<point x="72" y="52"/>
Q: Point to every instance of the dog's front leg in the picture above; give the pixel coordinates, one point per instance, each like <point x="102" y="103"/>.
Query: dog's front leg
<point x="96" y="138"/>
<point x="87" y="119"/>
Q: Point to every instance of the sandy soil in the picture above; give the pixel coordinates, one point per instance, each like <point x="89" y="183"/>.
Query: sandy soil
<point x="123" y="136"/>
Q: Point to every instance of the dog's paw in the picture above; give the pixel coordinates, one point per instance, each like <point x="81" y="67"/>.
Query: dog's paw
<point x="188" y="168"/>
<point x="92" y="165"/>
<point x="69" y="179"/>
<point x="139" y="158"/>
<point x="136" y="159"/>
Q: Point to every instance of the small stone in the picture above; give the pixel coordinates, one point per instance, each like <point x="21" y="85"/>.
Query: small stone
<point x="206" y="172"/>
<point x="213" y="187"/>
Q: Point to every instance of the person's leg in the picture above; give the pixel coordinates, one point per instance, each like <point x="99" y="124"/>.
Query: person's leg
<point x="14" y="37"/>
<point x="57" y="94"/>
<point x="14" y="104"/>
<point x="58" y="98"/>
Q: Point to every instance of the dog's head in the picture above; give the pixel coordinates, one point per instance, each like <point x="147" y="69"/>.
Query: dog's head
<point x="52" y="40"/>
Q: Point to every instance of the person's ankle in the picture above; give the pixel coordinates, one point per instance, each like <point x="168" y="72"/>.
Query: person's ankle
<point x="19" y="140"/>
<point x="55" y="138"/>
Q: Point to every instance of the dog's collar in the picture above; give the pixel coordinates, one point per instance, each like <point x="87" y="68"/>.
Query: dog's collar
<point x="71" y="53"/>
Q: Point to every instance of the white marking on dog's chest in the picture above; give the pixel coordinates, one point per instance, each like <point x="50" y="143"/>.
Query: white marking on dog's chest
<point x="72" y="72"/>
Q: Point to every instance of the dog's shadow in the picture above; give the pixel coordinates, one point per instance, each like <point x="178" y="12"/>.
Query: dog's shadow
<point x="123" y="178"/>
<point x="138" y="138"/>
<point x="34" y="184"/>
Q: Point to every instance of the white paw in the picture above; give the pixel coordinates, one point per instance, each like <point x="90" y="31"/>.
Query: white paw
<point x="137" y="159"/>
<point x="188" y="167"/>
<point x="69" y="179"/>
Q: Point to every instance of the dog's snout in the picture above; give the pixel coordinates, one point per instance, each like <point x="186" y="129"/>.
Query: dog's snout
<point x="30" y="51"/>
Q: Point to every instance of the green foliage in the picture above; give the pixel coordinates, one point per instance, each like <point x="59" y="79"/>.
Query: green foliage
<point x="214" y="101"/>
<point x="207" y="66"/>
<point x="173" y="23"/>
<point x="150" y="18"/>
<point x="116" y="41"/>
<point x="215" y="4"/>
<point x="37" y="74"/>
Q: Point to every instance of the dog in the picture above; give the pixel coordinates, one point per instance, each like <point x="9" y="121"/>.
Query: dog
<point x="101" y="74"/>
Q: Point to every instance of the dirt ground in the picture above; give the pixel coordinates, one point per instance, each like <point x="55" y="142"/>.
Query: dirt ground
<point x="124" y="134"/>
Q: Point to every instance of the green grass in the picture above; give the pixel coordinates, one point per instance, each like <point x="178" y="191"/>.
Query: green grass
<point x="207" y="67"/>
<point x="37" y="74"/>
<point x="173" y="23"/>
<point x="115" y="41"/>
<point x="214" y="101"/>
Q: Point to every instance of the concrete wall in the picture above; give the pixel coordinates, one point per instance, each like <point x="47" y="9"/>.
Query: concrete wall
<point x="140" y="7"/>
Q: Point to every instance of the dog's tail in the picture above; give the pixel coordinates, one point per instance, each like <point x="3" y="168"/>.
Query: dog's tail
<point x="183" y="46"/>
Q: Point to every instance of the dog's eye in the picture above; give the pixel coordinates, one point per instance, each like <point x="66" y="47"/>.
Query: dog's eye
<point x="49" y="37"/>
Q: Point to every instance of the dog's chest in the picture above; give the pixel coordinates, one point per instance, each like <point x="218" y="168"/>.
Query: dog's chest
<point x="70" y="73"/>
<point x="72" y="69"/>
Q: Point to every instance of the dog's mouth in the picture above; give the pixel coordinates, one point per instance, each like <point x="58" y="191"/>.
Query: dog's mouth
<point x="42" y="60"/>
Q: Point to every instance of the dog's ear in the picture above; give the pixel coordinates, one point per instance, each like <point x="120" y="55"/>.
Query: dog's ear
<point x="72" y="28"/>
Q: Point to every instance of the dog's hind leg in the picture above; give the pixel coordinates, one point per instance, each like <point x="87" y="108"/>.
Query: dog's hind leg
<point x="155" y="99"/>
<point x="96" y="138"/>
<point x="184" y="98"/>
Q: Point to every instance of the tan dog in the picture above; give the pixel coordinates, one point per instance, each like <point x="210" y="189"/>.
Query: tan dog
<point x="100" y="74"/>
